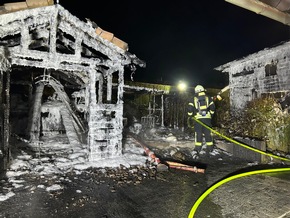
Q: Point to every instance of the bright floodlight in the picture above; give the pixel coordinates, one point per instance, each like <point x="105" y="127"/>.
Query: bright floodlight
<point x="181" y="86"/>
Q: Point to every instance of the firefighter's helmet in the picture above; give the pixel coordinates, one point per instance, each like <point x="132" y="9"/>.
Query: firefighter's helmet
<point x="199" y="89"/>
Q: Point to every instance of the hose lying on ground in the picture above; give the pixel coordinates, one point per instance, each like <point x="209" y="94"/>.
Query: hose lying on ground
<point x="213" y="187"/>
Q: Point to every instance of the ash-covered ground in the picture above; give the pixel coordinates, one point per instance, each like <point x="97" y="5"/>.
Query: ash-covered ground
<point x="53" y="179"/>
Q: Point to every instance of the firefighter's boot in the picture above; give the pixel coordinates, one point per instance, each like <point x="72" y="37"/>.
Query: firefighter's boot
<point x="195" y="152"/>
<point x="197" y="149"/>
<point x="209" y="150"/>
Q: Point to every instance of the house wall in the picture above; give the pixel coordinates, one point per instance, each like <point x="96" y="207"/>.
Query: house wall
<point x="264" y="72"/>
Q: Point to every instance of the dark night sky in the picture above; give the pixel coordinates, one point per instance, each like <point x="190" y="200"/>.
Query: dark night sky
<point x="184" y="39"/>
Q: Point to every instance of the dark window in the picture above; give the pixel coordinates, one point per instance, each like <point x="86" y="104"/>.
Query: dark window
<point x="243" y="73"/>
<point x="271" y="69"/>
<point x="254" y="94"/>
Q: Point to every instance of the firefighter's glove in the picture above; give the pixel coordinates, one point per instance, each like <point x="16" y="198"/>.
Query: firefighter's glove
<point x="190" y="122"/>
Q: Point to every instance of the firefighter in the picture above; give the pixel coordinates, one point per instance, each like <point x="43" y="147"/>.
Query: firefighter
<point x="202" y="108"/>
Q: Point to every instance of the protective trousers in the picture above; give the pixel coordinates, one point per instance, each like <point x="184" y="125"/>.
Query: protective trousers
<point x="200" y="130"/>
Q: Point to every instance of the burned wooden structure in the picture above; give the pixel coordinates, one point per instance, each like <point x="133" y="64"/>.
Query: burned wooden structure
<point x="259" y="74"/>
<point x="149" y="99"/>
<point x="53" y="65"/>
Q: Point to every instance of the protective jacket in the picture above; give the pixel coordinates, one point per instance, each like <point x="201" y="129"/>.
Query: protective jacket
<point x="201" y="107"/>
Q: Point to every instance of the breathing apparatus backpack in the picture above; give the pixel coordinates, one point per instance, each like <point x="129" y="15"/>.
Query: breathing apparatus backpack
<point x="201" y="104"/>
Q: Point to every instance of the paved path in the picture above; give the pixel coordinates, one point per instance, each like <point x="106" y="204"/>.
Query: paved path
<point x="255" y="196"/>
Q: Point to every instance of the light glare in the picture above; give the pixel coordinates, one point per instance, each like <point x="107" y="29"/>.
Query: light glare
<point x="181" y="86"/>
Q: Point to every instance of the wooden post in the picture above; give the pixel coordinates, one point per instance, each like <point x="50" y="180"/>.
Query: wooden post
<point x="6" y="126"/>
<point x="34" y="127"/>
<point x="1" y="125"/>
<point x="162" y="110"/>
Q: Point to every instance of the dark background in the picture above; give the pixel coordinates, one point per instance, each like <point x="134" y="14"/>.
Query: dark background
<point x="184" y="39"/>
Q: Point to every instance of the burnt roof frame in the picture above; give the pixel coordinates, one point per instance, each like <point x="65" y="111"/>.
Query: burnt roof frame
<point x="55" y="18"/>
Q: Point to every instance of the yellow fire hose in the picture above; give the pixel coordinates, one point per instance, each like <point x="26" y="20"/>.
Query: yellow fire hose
<point x="213" y="187"/>
<point x="241" y="144"/>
